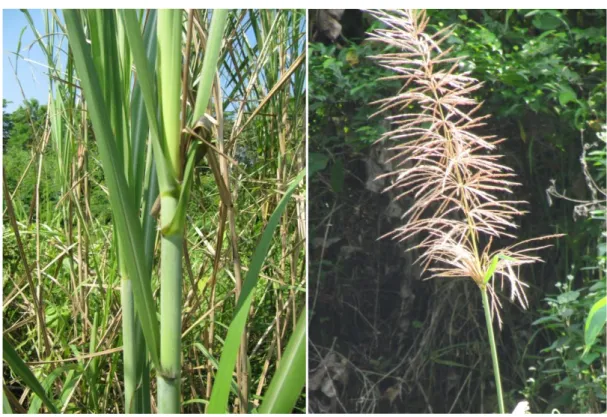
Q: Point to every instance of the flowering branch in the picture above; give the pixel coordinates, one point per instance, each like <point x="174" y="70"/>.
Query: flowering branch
<point x="454" y="175"/>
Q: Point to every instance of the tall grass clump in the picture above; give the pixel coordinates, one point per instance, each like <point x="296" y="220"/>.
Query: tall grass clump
<point x="152" y="111"/>
<point x="460" y="190"/>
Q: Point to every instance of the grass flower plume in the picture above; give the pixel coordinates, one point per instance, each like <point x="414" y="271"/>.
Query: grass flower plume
<point x="458" y="186"/>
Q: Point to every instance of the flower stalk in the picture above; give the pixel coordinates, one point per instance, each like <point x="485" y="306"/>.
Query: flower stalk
<point x="458" y="187"/>
<point x="494" y="358"/>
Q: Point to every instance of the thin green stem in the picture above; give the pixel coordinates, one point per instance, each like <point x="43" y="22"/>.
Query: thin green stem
<point x="170" y="314"/>
<point x="169" y="70"/>
<point x="496" y="366"/>
<point x="128" y="344"/>
<point x="169" y="76"/>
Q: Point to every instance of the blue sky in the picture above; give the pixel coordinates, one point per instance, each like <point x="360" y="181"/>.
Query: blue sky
<point x="33" y="78"/>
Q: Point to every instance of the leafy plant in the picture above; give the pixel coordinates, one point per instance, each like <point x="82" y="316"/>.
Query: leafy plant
<point x="544" y="73"/>
<point x="574" y="367"/>
<point x="344" y="81"/>
<point x="575" y="363"/>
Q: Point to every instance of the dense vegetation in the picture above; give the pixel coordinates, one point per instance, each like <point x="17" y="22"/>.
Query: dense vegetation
<point x="62" y="309"/>
<point x="391" y="342"/>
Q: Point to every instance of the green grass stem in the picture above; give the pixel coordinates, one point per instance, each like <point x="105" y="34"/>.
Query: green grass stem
<point x="496" y="365"/>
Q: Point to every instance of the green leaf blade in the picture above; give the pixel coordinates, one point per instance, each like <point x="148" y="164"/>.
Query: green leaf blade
<point x="290" y="376"/>
<point x="124" y="211"/>
<point x="22" y="370"/>
<point x="221" y="386"/>
<point x="595" y="322"/>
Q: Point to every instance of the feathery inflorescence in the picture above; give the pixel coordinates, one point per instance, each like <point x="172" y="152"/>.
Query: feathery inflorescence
<point x="454" y="177"/>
